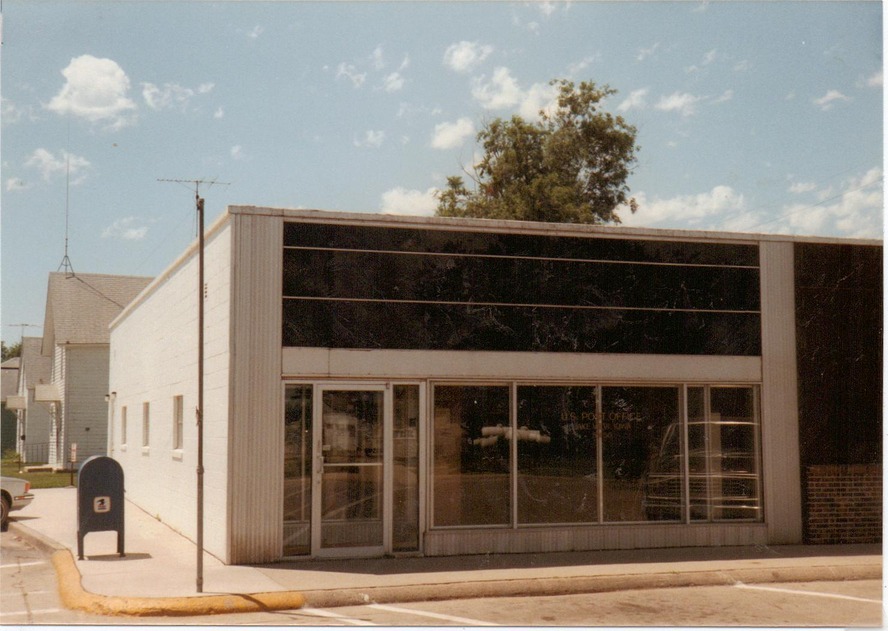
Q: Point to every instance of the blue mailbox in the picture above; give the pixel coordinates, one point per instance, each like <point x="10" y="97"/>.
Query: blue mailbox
<point x="99" y="499"/>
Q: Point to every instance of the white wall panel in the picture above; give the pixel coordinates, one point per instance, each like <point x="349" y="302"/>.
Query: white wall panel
<point x="534" y="366"/>
<point x="85" y="407"/>
<point x="256" y="462"/>
<point x="154" y="359"/>
<point x="780" y="417"/>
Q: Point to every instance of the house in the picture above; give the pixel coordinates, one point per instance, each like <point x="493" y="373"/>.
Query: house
<point x="9" y="371"/>
<point x="380" y="385"/>
<point x="33" y="418"/>
<point x="79" y="308"/>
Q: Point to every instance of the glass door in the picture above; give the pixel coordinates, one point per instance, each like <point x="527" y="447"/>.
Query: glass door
<point x="350" y="455"/>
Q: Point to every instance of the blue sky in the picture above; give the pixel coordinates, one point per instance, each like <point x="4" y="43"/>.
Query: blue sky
<point x="753" y="117"/>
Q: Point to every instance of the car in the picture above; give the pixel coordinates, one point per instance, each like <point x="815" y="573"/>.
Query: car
<point x="14" y="495"/>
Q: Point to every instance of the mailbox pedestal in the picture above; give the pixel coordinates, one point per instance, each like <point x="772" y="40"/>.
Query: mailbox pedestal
<point x="99" y="499"/>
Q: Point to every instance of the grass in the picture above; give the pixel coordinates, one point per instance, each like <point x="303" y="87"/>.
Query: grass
<point x="38" y="479"/>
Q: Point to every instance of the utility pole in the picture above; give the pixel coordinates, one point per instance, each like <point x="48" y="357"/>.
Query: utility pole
<point x="199" y="205"/>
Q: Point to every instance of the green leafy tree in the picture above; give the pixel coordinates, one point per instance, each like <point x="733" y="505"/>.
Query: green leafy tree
<point x="571" y="166"/>
<point x="11" y="351"/>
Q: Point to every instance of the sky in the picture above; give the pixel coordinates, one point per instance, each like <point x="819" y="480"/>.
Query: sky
<point x="762" y="117"/>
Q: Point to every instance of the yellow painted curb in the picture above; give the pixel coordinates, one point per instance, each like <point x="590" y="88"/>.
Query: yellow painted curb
<point x="75" y="597"/>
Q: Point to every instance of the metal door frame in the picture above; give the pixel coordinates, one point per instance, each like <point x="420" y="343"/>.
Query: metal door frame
<point x="318" y="468"/>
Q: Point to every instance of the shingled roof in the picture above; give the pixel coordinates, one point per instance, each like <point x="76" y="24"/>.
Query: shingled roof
<point x="79" y="307"/>
<point x="37" y="368"/>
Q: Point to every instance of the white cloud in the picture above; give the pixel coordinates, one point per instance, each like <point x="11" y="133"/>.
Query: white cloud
<point x="681" y="102"/>
<point x="95" y="90"/>
<point x="802" y="187"/>
<point x="402" y="201"/>
<point x="700" y="211"/>
<point x="635" y="101"/>
<point x="351" y="73"/>
<point x="219" y="113"/>
<point x="16" y="184"/>
<point x="51" y="165"/>
<point x="205" y="88"/>
<point x="169" y="96"/>
<point x="644" y="53"/>
<point x="875" y="80"/>
<point x="743" y="65"/>
<point x="579" y="66"/>
<point x="371" y="138"/>
<point x="256" y="32"/>
<point x="125" y="229"/>
<point x="500" y="92"/>
<point x="726" y="96"/>
<point x="237" y="153"/>
<point x="853" y="209"/>
<point x="465" y="56"/>
<point x="451" y="135"/>
<point x="393" y="82"/>
<point x="708" y="58"/>
<point x="828" y="100"/>
<point x="376" y="58"/>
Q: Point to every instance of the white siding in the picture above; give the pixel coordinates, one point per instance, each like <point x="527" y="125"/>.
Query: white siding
<point x="57" y="413"/>
<point x="85" y="409"/>
<point x="256" y="464"/>
<point x="153" y="359"/>
<point x="780" y="417"/>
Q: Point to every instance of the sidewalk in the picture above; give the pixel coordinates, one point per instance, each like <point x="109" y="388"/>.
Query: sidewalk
<point x="157" y="576"/>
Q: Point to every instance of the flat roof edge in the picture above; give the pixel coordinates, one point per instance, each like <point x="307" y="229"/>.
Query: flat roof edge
<point x="149" y="289"/>
<point x="532" y="227"/>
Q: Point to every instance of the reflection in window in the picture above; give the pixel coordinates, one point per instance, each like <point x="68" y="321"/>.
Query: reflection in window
<point x="405" y="506"/>
<point x="471" y="456"/>
<point x="557" y="480"/>
<point x="297" y="470"/>
<point x="641" y="452"/>
<point x="733" y="456"/>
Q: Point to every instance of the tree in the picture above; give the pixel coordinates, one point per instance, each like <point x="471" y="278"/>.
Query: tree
<point x="11" y="351"/>
<point x="571" y="166"/>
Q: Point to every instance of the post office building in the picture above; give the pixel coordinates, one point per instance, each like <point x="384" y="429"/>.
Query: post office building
<point x="384" y="385"/>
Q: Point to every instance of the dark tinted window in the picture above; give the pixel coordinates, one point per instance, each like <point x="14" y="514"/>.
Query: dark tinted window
<point x="373" y="287"/>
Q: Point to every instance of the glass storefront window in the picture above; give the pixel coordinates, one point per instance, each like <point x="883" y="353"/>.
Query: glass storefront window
<point x="733" y="454"/>
<point x="471" y="475"/>
<point x="297" y="470"/>
<point x="641" y="453"/>
<point x="557" y="464"/>
<point x="405" y="506"/>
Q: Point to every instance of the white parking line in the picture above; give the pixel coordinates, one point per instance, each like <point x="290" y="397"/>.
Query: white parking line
<point x="438" y="616"/>
<point x="5" y="614"/>
<point x="6" y="565"/>
<point x="807" y="593"/>
<point x="323" y="613"/>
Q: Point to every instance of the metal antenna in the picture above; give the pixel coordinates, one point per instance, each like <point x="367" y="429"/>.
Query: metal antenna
<point x="199" y="204"/>
<point x="66" y="262"/>
<point x="22" y="326"/>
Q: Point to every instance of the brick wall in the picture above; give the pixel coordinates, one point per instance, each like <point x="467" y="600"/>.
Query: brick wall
<point x="844" y="504"/>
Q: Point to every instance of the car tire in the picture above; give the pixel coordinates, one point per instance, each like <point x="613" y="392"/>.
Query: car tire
<point x="4" y="514"/>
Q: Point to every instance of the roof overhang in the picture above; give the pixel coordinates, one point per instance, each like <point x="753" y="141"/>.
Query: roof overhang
<point x="16" y="402"/>
<point x="47" y="393"/>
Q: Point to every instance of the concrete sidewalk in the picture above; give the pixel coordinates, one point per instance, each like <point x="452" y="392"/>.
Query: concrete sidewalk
<point x="157" y="575"/>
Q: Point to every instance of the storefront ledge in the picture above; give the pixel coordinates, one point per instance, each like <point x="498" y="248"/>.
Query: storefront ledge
<point x="75" y="597"/>
<point x="586" y="585"/>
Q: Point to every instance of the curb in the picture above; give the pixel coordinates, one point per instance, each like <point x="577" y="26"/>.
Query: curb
<point x="541" y="587"/>
<point x="73" y="595"/>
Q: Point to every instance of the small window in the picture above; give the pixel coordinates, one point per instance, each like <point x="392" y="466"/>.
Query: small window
<point x="123" y="426"/>
<point x="146" y="425"/>
<point x="178" y="409"/>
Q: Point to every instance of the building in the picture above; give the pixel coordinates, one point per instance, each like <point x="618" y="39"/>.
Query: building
<point x="32" y="417"/>
<point x="9" y="371"/>
<point x="403" y="385"/>
<point x="79" y="308"/>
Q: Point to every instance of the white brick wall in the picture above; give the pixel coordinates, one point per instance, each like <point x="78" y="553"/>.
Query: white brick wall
<point x="154" y="359"/>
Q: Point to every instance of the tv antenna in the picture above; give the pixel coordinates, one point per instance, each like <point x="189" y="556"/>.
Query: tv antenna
<point x="66" y="261"/>
<point x="23" y="326"/>
<point x="199" y="204"/>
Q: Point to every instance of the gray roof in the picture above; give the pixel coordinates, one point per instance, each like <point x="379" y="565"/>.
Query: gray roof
<point x="9" y="377"/>
<point x="36" y="367"/>
<point x="79" y="307"/>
